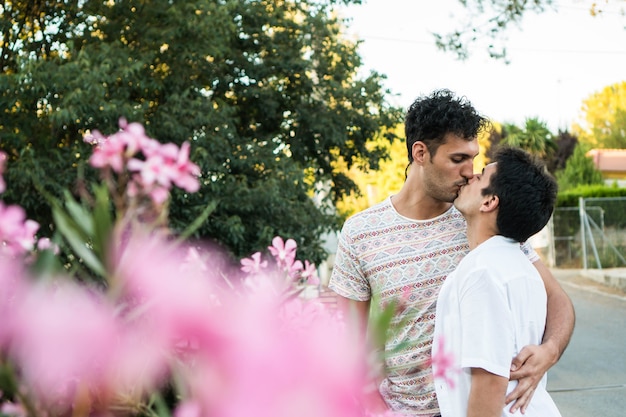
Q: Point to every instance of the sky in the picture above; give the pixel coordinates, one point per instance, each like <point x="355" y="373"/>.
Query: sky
<point x="557" y="58"/>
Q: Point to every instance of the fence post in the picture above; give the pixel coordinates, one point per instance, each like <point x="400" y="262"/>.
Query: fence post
<point x="583" y="243"/>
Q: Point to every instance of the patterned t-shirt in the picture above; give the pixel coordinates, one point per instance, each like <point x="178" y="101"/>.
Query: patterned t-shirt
<point x="404" y="261"/>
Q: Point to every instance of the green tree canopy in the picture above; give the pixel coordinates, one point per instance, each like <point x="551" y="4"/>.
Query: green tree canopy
<point x="534" y="137"/>
<point x="579" y="170"/>
<point x="266" y="91"/>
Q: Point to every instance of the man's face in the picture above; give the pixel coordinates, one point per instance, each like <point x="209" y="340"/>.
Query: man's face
<point x="470" y="197"/>
<point x="450" y="168"/>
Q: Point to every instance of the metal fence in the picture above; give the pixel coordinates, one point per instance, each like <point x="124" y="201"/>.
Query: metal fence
<point x="592" y="235"/>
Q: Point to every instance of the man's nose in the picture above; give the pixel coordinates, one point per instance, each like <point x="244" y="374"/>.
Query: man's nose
<point x="468" y="171"/>
<point x="473" y="177"/>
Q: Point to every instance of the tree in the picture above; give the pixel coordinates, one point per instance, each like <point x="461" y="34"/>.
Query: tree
<point x="579" y="170"/>
<point x="265" y="91"/>
<point x="604" y="118"/>
<point x="376" y="185"/>
<point x="534" y="137"/>
<point x="565" y="144"/>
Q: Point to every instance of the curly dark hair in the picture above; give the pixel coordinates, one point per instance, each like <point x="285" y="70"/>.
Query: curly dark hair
<point x="526" y="190"/>
<point x="431" y="117"/>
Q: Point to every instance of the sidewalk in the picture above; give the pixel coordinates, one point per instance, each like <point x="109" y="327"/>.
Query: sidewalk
<point x="610" y="281"/>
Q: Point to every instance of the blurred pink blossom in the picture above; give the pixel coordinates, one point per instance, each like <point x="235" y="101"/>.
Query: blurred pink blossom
<point x="45" y="243"/>
<point x="63" y="339"/>
<point x="10" y="409"/>
<point x="280" y="363"/>
<point x="186" y="172"/>
<point x="253" y="264"/>
<point x="17" y="234"/>
<point x="108" y="153"/>
<point x="443" y="363"/>
<point x="12" y="280"/>
<point x="176" y="298"/>
<point x="309" y="273"/>
<point x="284" y="252"/>
<point x="3" y="161"/>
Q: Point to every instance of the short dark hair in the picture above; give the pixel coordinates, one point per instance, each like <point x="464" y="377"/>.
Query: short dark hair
<point x="526" y="193"/>
<point x="431" y="117"/>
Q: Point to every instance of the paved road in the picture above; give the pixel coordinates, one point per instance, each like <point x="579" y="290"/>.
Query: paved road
<point x="590" y="378"/>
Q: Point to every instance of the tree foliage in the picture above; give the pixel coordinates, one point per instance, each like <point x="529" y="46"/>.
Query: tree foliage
<point x="266" y="91"/>
<point x="604" y="118"/>
<point x="488" y="20"/>
<point x="579" y="170"/>
<point x="534" y="137"/>
<point x="565" y="144"/>
<point x="376" y="185"/>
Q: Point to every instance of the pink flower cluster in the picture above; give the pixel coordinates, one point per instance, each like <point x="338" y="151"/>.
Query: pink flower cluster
<point x="232" y="350"/>
<point x="154" y="167"/>
<point x="284" y="253"/>
<point x="17" y="233"/>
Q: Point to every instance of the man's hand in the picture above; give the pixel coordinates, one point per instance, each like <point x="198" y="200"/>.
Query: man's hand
<point x="528" y="368"/>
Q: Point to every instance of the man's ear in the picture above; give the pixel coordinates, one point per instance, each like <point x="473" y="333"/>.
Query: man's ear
<point x="490" y="203"/>
<point x="419" y="151"/>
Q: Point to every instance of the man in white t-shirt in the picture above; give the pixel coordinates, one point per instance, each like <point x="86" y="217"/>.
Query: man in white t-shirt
<point x="401" y="250"/>
<point x="495" y="302"/>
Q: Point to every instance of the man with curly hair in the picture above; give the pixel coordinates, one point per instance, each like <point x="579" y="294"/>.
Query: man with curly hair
<point x="400" y="251"/>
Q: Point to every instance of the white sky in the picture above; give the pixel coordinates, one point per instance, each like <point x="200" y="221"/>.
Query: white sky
<point x="558" y="59"/>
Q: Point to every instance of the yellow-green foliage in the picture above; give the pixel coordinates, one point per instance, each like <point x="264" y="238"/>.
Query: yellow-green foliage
<point x="375" y="186"/>
<point x="604" y="118"/>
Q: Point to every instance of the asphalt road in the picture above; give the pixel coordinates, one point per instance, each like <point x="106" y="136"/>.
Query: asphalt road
<point x="590" y="378"/>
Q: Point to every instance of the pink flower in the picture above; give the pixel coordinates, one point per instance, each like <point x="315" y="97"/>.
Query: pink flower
<point x="3" y="161"/>
<point x="298" y="315"/>
<point x="109" y="154"/>
<point x="284" y="252"/>
<point x="13" y="410"/>
<point x="17" y="234"/>
<point x="154" y="170"/>
<point x="45" y="243"/>
<point x="279" y="358"/>
<point x="176" y="299"/>
<point x="292" y="370"/>
<point x="188" y="409"/>
<point x="443" y="363"/>
<point x="309" y="273"/>
<point x="186" y="172"/>
<point x="164" y="165"/>
<point x="253" y="265"/>
<point x="63" y="340"/>
<point x="12" y="282"/>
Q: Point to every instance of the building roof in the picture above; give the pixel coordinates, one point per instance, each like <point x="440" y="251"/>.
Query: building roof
<point x="609" y="160"/>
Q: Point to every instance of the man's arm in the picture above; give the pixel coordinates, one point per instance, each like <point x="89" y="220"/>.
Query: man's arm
<point x="486" y="398"/>
<point x="534" y="361"/>
<point x="356" y="316"/>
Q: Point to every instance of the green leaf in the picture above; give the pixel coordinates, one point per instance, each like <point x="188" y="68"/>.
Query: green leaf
<point x="210" y="208"/>
<point x="79" y="214"/>
<point x="102" y="220"/>
<point x="77" y="241"/>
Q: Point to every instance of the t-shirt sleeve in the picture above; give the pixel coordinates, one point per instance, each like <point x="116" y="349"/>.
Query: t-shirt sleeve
<point x="347" y="278"/>
<point x="529" y="252"/>
<point x="487" y="339"/>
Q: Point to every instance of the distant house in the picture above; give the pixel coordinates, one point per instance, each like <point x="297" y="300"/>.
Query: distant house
<point x="612" y="164"/>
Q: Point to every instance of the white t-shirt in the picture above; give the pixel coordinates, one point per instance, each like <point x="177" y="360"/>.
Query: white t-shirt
<point x="383" y="253"/>
<point x="488" y="309"/>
